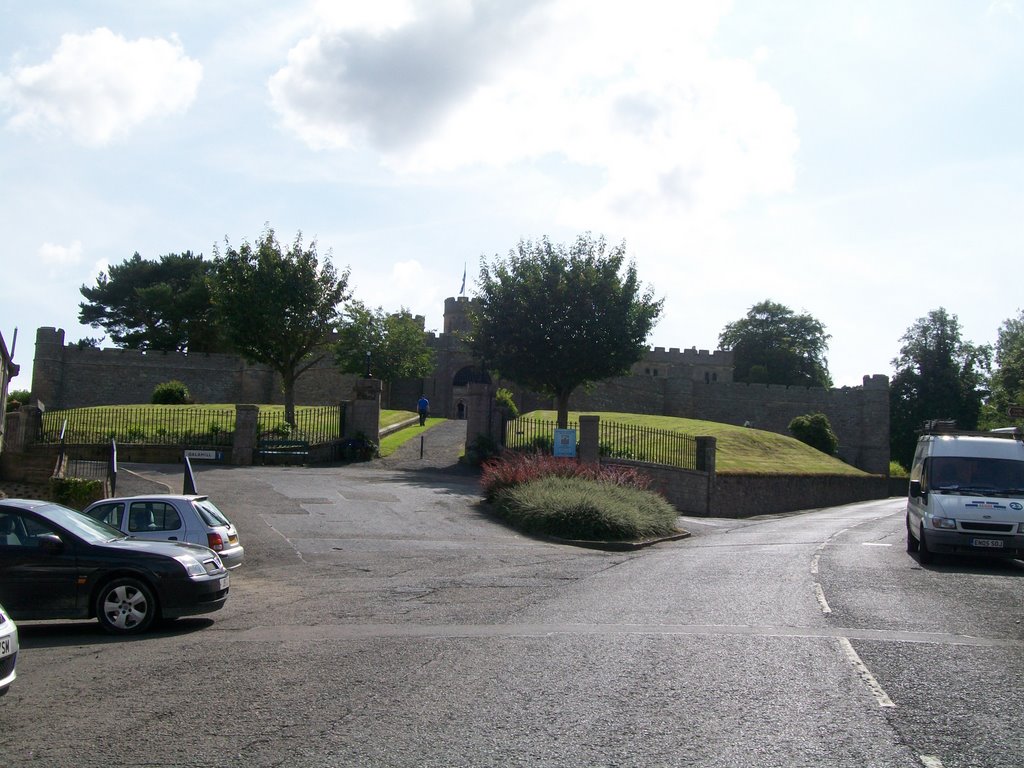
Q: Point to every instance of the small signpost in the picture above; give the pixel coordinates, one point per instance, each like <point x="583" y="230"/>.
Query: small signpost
<point x="565" y="443"/>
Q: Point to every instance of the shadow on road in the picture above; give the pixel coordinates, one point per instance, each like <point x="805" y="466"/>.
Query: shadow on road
<point x="66" y="633"/>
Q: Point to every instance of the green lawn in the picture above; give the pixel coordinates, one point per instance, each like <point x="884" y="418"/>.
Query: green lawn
<point x="740" y="449"/>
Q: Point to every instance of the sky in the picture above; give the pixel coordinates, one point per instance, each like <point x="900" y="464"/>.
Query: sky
<point x="858" y="161"/>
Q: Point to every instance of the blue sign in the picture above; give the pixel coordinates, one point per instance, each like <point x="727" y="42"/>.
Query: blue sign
<point x="565" y="443"/>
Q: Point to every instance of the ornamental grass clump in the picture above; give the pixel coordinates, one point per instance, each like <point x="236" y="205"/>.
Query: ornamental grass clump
<point x="512" y="468"/>
<point x="559" y="497"/>
<point x="579" y="508"/>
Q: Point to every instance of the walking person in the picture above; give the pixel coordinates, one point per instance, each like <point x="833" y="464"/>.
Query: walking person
<point x="423" y="408"/>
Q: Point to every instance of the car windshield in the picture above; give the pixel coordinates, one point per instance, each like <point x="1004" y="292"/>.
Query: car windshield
<point x="212" y="516"/>
<point x="79" y="524"/>
<point x="977" y="475"/>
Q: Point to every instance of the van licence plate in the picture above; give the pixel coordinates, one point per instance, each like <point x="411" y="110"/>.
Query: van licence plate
<point x="992" y="543"/>
<point x="5" y="647"/>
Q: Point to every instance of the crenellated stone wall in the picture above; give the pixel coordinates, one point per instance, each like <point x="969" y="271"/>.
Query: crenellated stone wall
<point x="686" y="383"/>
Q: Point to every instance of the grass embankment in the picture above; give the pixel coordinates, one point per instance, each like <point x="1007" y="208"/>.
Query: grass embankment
<point x="390" y="443"/>
<point x="739" y="449"/>
<point x="536" y="497"/>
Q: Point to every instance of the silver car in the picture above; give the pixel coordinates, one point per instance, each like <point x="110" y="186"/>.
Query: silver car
<point x="8" y="651"/>
<point x="173" y="517"/>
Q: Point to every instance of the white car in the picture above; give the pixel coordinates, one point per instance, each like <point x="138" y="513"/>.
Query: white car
<point x="172" y="517"/>
<point x="8" y="651"/>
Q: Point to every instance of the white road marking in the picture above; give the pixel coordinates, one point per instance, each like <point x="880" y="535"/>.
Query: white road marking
<point x="930" y="761"/>
<point x="814" y="564"/>
<point x="874" y="544"/>
<point x="819" y="593"/>
<point x="865" y="674"/>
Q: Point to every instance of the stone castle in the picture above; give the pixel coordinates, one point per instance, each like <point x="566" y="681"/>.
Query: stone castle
<point x="687" y="383"/>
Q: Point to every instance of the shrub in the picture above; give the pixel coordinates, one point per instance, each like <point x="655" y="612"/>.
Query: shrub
<point x="482" y="449"/>
<point x="503" y="397"/>
<point x="172" y="392"/>
<point x="897" y="470"/>
<point x="582" y="508"/>
<point x="513" y="468"/>
<point x="75" y="492"/>
<point x="814" y="430"/>
<point x="17" y="398"/>
<point x="359" y="448"/>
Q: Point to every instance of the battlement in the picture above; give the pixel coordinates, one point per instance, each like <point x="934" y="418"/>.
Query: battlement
<point x="691" y="356"/>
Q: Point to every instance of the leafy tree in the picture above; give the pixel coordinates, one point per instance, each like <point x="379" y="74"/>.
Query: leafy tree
<point x="1007" y="383"/>
<point x="160" y="305"/>
<point x="395" y="342"/>
<point x="552" y="317"/>
<point x="278" y="307"/>
<point x="774" y="345"/>
<point x="815" y="430"/>
<point x="938" y="376"/>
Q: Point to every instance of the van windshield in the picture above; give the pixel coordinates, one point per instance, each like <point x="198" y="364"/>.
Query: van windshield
<point x="977" y="475"/>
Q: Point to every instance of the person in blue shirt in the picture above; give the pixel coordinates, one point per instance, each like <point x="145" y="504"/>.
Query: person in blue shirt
<point x="423" y="408"/>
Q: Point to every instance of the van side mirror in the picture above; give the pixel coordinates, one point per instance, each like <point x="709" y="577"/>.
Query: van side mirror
<point x="915" y="489"/>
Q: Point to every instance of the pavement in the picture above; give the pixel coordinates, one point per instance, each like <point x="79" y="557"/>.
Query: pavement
<point x="436" y="450"/>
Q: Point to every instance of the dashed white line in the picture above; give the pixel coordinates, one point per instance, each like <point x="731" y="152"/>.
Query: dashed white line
<point x="930" y="761"/>
<point x="865" y="674"/>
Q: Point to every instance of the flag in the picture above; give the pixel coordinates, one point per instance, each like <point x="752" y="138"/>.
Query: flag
<point x="462" y="290"/>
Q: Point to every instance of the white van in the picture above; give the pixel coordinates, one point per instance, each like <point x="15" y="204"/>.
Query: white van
<point x="966" y="493"/>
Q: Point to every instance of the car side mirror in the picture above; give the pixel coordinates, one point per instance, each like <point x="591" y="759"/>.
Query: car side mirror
<point x="50" y="543"/>
<point x="915" y="489"/>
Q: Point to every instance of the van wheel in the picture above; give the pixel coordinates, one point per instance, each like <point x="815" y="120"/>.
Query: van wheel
<point x="924" y="555"/>
<point x="912" y="545"/>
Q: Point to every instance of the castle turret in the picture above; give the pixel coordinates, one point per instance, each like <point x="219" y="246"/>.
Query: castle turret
<point x="48" y="368"/>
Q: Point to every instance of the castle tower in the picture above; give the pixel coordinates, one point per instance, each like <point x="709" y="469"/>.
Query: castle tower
<point x="48" y="368"/>
<point x="457" y="314"/>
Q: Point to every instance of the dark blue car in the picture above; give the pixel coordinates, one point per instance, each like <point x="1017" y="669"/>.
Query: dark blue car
<point x="56" y="563"/>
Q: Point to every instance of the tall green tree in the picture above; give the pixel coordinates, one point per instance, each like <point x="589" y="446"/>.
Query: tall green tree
<point x="1007" y="383"/>
<point x="395" y="343"/>
<point x="159" y="305"/>
<point x="775" y="345"/>
<point x="938" y="376"/>
<point x="278" y="307"/>
<point x="553" y="317"/>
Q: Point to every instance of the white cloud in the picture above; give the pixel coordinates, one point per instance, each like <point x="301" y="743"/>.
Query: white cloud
<point x="60" y="255"/>
<point x="632" y="93"/>
<point x="99" y="86"/>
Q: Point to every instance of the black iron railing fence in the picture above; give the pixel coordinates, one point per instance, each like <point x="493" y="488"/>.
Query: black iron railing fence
<point x="314" y="424"/>
<point x="615" y="440"/>
<point x="192" y="426"/>
<point x="165" y="425"/>
<point x="639" y="443"/>
<point x="532" y="434"/>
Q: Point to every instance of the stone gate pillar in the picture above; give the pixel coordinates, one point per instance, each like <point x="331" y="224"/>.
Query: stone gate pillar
<point x="364" y="417"/>
<point x="482" y="414"/>
<point x="246" y="427"/>
<point x="590" y="452"/>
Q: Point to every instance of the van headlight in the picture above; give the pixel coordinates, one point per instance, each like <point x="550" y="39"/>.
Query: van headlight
<point x="944" y="522"/>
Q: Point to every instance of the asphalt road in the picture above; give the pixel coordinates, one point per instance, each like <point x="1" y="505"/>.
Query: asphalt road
<point x="383" y="619"/>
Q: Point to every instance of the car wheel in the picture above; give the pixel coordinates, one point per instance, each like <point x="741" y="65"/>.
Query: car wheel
<point x="125" y="606"/>
<point x="924" y="555"/>
<point x="912" y="545"/>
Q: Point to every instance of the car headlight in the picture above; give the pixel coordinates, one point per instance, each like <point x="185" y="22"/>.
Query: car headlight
<point x="192" y="565"/>
<point x="944" y="522"/>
